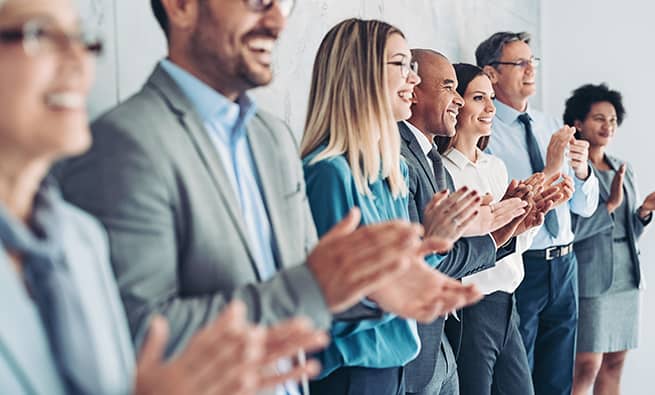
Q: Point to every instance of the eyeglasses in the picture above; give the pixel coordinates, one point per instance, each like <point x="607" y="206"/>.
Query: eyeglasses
<point x="40" y="36"/>
<point x="522" y="63"/>
<point x="286" y="6"/>
<point x="406" y="67"/>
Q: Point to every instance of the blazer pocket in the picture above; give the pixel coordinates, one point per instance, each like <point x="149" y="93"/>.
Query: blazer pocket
<point x="293" y="190"/>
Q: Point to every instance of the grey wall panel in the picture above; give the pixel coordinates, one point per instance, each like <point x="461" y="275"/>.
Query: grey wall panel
<point x="100" y="15"/>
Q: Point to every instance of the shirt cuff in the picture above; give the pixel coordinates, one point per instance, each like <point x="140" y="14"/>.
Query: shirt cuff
<point x="369" y="303"/>
<point x="585" y="185"/>
<point x="646" y="220"/>
<point x="493" y="241"/>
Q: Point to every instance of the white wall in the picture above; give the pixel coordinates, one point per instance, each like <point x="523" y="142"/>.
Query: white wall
<point x="610" y="41"/>
<point x="454" y="27"/>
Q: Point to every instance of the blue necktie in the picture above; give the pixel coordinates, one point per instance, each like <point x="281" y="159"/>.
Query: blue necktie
<point x="56" y="296"/>
<point x="537" y="163"/>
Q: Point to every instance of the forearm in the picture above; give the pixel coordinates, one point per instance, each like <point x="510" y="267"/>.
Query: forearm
<point x="469" y="255"/>
<point x="291" y="293"/>
<point x="585" y="198"/>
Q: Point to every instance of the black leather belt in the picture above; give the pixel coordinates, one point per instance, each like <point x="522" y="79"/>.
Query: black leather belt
<point x="621" y="239"/>
<point x="550" y="253"/>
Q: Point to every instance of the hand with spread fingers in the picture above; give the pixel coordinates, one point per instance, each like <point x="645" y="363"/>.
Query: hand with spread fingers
<point x="349" y="261"/>
<point x="565" y="187"/>
<point x="423" y="293"/>
<point x="539" y="201"/>
<point x="522" y="195"/>
<point x="542" y="202"/>
<point x="286" y="340"/>
<point x="229" y="356"/>
<point x="448" y="216"/>
<point x="493" y="216"/>
<point x="616" y="190"/>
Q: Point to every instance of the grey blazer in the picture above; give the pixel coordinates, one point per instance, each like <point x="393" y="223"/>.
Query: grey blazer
<point x="468" y="256"/>
<point x="593" y="244"/>
<point x="178" y="245"/>
<point x="27" y="365"/>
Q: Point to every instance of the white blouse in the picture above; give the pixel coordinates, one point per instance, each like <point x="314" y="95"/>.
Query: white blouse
<point x="489" y="175"/>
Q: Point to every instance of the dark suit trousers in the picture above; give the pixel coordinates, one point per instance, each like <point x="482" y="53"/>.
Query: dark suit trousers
<point x="444" y="379"/>
<point x="360" y="381"/>
<point x="547" y="302"/>
<point x="492" y="358"/>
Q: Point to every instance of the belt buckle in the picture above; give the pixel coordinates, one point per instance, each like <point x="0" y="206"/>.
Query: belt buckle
<point x="567" y="249"/>
<point x="550" y="257"/>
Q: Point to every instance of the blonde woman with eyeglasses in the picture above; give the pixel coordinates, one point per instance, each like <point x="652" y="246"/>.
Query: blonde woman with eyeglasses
<point x="362" y="84"/>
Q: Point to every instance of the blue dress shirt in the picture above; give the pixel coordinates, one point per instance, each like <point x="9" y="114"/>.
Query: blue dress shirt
<point x="508" y="143"/>
<point x="225" y="121"/>
<point x="390" y="341"/>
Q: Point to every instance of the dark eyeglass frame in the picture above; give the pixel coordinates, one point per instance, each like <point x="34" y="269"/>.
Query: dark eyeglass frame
<point x="405" y="67"/>
<point x="523" y="63"/>
<point x="286" y="6"/>
<point x="36" y="30"/>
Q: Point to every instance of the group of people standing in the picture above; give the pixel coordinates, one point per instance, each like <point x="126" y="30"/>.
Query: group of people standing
<point x="431" y="233"/>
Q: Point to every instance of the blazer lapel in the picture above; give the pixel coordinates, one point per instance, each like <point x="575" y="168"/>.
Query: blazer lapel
<point x="263" y="144"/>
<point x="203" y="144"/>
<point x="416" y="150"/>
<point x="23" y="339"/>
<point x="603" y="188"/>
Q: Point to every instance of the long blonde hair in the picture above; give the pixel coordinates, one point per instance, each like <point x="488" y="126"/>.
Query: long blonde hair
<point x="349" y="107"/>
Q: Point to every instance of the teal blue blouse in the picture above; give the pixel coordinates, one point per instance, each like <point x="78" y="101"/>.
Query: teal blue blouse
<point x="390" y="341"/>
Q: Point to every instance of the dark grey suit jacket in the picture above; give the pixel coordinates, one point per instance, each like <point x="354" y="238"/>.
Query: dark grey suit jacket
<point x="594" y="247"/>
<point x="469" y="255"/>
<point x="179" y="246"/>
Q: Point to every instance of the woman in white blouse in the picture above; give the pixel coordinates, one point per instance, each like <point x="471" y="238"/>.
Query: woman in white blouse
<point x="492" y="358"/>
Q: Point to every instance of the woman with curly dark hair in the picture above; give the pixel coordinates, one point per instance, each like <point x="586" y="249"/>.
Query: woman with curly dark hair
<point x="609" y="274"/>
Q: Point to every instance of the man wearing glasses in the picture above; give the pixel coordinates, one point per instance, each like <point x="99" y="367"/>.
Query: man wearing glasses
<point x="203" y="195"/>
<point x="530" y="141"/>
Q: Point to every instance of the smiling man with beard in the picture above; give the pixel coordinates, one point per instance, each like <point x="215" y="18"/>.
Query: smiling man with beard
<point x="203" y="194"/>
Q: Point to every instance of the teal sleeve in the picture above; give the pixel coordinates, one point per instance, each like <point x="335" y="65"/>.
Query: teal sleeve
<point x="332" y="194"/>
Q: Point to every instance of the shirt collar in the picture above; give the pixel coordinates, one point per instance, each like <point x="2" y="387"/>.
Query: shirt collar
<point x="423" y="141"/>
<point x="508" y="114"/>
<point x="211" y="105"/>
<point x="43" y="238"/>
<point x="460" y="160"/>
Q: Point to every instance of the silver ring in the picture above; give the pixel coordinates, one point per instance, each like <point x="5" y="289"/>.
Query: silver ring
<point x="455" y="221"/>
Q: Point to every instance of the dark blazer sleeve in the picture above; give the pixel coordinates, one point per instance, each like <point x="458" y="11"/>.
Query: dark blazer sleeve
<point x="508" y="249"/>
<point x="469" y="255"/>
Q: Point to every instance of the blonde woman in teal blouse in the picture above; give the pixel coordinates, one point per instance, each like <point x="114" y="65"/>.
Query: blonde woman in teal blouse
<point x="362" y="84"/>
